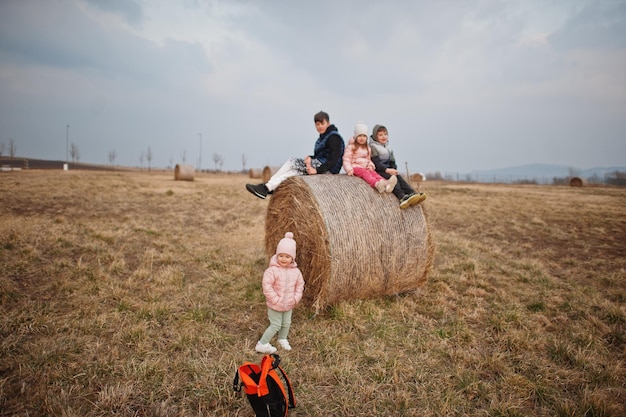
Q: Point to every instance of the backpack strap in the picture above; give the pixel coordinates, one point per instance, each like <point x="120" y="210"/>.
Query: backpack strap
<point x="236" y="385"/>
<point x="292" y="398"/>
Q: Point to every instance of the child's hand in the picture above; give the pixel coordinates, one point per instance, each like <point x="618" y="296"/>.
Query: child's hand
<point x="350" y="173"/>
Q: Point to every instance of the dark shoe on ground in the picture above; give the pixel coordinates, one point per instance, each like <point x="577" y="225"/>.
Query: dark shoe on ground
<point x="259" y="190"/>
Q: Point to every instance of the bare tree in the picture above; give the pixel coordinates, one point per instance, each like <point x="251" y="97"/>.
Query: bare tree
<point x="141" y="158"/>
<point x="243" y="161"/>
<point x="12" y="148"/>
<point x="149" y="157"/>
<point x="74" y="152"/>
<point x="112" y="155"/>
<point x="573" y="172"/>
<point x="183" y="156"/>
<point x="217" y="159"/>
<point x="1" y="148"/>
<point x="171" y="162"/>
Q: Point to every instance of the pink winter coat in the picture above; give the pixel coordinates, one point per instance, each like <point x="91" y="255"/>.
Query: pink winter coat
<point x="282" y="287"/>
<point x="360" y="156"/>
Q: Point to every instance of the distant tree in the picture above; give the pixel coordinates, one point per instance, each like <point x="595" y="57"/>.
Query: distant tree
<point x="616" y="178"/>
<point x="573" y="172"/>
<point x="74" y="152"/>
<point x="171" y="162"/>
<point x="183" y="156"/>
<point x="149" y="157"/>
<point x="560" y="181"/>
<point x="141" y="158"/>
<point x="12" y="148"/>
<point x="435" y="176"/>
<point x="243" y="161"/>
<point x="1" y="148"/>
<point x="594" y="179"/>
<point x="112" y="155"/>
<point x="217" y="159"/>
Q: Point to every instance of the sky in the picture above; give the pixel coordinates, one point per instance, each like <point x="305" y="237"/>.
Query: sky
<point x="461" y="85"/>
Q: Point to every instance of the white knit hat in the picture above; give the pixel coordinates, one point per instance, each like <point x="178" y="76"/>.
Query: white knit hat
<point x="360" y="129"/>
<point x="287" y="245"/>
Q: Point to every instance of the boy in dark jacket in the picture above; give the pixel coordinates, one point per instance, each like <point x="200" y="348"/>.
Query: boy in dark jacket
<point x="385" y="162"/>
<point x="327" y="157"/>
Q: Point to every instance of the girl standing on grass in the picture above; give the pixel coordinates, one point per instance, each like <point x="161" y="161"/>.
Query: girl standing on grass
<point x="282" y="286"/>
<point x="357" y="161"/>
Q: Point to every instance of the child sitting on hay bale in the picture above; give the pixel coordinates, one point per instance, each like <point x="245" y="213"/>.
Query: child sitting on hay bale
<point x="283" y="286"/>
<point x="326" y="157"/>
<point x="385" y="162"/>
<point x="357" y="161"/>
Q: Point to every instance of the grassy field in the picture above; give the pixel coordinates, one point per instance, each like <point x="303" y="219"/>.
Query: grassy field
<point x="131" y="294"/>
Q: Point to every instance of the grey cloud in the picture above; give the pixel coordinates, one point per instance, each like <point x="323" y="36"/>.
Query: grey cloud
<point x="599" y="24"/>
<point x="70" y="39"/>
<point x="130" y="10"/>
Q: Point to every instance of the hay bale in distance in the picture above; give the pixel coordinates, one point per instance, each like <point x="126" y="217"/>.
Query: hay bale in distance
<point x="183" y="172"/>
<point x="353" y="243"/>
<point x="255" y="173"/>
<point x="576" y="182"/>
<point x="418" y="177"/>
<point x="268" y="172"/>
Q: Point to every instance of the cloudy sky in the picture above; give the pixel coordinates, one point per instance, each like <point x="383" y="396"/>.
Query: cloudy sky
<point x="461" y="85"/>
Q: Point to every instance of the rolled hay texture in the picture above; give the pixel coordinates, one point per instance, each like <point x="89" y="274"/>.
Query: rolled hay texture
<point x="255" y="173"/>
<point x="268" y="172"/>
<point x="576" y="182"/>
<point x="352" y="242"/>
<point x="183" y="172"/>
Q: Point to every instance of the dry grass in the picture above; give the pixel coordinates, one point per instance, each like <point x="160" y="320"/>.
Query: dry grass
<point x="131" y="294"/>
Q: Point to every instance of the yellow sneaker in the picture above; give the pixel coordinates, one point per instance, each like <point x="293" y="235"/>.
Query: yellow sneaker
<point x="417" y="198"/>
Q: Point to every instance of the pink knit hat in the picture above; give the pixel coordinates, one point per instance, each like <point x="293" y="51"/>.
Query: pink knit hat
<point x="287" y="245"/>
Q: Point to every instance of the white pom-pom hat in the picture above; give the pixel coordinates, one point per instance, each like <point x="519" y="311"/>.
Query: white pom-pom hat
<point x="360" y="129"/>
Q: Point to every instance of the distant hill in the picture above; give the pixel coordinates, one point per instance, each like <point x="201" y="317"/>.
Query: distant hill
<point x="541" y="173"/>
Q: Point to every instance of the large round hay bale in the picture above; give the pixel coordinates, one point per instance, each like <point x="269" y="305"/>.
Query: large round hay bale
<point x="353" y="243"/>
<point x="183" y="172"/>
<point x="576" y="182"/>
<point x="418" y="177"/>
<point x="255" y="173"/>
<point x="268" y="172"/>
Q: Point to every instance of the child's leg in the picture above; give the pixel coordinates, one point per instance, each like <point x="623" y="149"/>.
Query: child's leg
<point x="397" y="190"/>
<point x="370" y="177"/>
<point x="276" y="319"/>
<point x="285" y="326"/>
<point x="404" y="186"/>
<point x="291" y="168"/>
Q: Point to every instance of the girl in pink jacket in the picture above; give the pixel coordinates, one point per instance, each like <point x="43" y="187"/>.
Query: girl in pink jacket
<point x="357" y="161"/>
<point x="282" y="286"/>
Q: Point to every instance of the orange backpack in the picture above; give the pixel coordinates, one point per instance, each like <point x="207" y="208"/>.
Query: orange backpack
<point x="264" y="388"/>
